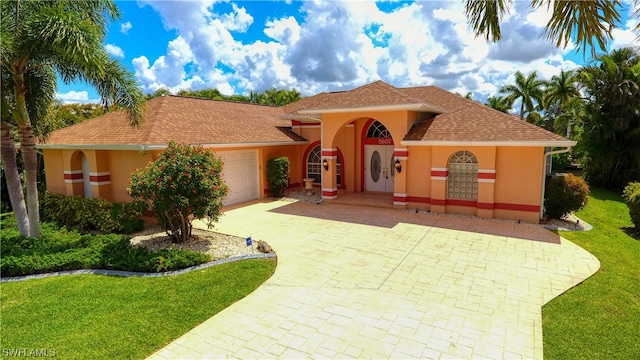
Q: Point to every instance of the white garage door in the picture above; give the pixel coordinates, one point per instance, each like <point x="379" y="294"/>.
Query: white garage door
<point x="241" y="174"/>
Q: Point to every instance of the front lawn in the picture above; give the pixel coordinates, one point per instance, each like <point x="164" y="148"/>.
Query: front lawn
<point x="600" y="318"/>
<point x="104" y="317"/>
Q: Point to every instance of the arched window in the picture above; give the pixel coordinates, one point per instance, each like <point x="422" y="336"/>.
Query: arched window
<point x="314" y="166"/>
<point x="462" y="181"/>
<point x="377" y="130"/>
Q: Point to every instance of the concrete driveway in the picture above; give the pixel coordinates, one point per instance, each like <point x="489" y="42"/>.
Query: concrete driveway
<point x="362" y="282"/>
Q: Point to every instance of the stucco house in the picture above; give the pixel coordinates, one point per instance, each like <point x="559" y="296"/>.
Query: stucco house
<point x="430" y="148"/>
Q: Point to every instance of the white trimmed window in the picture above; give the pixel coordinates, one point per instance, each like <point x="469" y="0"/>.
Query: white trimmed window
<point x="462" y="180"/>
<point x="314" y="165"/>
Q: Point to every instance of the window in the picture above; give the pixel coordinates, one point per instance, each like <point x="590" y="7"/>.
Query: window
<point x="314" y="166"/>
<point x="377" y="130"/>
<point x="462" y="181"/>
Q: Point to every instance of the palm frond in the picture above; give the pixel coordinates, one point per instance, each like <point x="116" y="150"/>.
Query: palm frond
<point x="588" y="22"/>
<point x="484" y="17"/>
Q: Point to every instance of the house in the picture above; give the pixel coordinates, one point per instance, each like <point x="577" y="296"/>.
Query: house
<point x="430" y="148"/>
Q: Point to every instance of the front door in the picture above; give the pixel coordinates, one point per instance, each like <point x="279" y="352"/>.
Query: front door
<point x="378" y="168"/>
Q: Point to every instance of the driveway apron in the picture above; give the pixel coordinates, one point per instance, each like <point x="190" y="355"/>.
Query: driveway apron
<point x="363" y="282"/>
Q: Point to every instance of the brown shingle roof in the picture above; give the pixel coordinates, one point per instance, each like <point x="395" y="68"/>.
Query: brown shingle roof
<point x="183" y="119"/>
<point x="477" y="122"/>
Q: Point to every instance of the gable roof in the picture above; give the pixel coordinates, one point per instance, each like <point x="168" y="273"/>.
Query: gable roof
<point x="184" y="119"/>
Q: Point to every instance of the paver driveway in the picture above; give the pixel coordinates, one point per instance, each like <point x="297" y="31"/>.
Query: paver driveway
<point x="377" y="283"/>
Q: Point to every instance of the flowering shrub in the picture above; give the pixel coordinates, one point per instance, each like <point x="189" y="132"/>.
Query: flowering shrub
<point x="182" y="183"/>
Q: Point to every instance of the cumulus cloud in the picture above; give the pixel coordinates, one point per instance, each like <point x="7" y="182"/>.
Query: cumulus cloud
<point x="114" y="50"/>
<point x="75" y="97"/>
<point x="332" y="45"/>
<point x="125" y="27"/>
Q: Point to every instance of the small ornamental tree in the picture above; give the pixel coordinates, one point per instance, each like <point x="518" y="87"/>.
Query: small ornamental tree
<point x="182" y="183"/>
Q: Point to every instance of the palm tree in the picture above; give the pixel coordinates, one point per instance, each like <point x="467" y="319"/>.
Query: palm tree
<point x="499" y="103"/>
<point x="610" y="137"/>
<point x="570" y="117"/>
<point x="558" y="91"/>
<point x="585" y="22"/>
<point x="37" y="40"/>
<point x="527" y="89"/>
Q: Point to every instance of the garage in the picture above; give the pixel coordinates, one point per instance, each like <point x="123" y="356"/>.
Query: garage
<point x="241" y="173"/>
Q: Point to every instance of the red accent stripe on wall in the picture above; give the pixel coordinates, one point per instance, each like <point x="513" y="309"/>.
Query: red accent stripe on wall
<point x="329" y="152"/>
<point x="443" y="173"/>
<point x="517" y="207"/>
<point x="486" y="175"/>
<point x="99" y="178"/>
<point x="485" y="206"/>
<point x="418" y="199"/>
<point x="398" y="153"/>
<point x="377" y="141"/>
<point x="457" y="202"/>
<point x="438" y="202"/>
<point x="295" y="123"/>
<point x="329" y="193"/>
<point x="400" y="198"/>
<point x="77" y="176"/>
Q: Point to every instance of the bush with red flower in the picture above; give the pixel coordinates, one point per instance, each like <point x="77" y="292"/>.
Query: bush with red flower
<point x="183" y="183"/>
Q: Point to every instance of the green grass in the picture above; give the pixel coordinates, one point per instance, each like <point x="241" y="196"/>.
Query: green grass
<point x="103" y="317"/>
<point x="600" y="318"/>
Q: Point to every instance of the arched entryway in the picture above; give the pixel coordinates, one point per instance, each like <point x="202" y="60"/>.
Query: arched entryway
<point x="79" y="175"/>
<point x="378" y="157"/>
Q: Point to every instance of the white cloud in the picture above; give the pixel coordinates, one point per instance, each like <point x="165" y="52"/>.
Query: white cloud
<point x="114" y="50"/>
<point x="332" y="45"/>
<point x="125" y="27"/>
<point x="73" y="97"/>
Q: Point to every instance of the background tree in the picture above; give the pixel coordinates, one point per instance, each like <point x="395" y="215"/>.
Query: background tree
<point x="37" y="40"/>
<point x="184" y="181"/>
<point x="558" y="91"/>
<point x="529" y="90"/>
<point x="499" y="103"/>
<point x="610" y="138"/>
<point x="588" y="23"/>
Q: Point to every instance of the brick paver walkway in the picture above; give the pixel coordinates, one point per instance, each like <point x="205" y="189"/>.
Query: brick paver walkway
<point x="379" y="283"/>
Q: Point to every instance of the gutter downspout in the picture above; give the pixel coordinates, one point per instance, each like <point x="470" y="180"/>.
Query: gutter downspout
<point x="544" y="175"/>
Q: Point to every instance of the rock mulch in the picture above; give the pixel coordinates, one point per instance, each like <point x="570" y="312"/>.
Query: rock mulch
<point x="217" y="245"/>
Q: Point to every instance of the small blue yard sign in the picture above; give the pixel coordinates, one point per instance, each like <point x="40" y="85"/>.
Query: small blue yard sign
<point x="249" y="241"/>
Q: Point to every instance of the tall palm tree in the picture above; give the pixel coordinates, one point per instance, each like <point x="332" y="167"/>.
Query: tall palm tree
<point x="499" y="103"/>
<point x="527" y="89"/>
<point x="37" y="40"/>
<point x="558" y="91"/>
<point x="588" y="23"/>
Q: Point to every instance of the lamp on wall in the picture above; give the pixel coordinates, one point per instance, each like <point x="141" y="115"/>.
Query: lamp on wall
<point x="398" y="166"/>
<point x="325" y="164"/>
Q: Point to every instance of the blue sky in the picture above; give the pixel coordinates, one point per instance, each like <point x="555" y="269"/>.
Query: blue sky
<point x="316" y="46"/>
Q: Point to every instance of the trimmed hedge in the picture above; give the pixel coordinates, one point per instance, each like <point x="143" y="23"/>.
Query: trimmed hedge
<point x="631" y="197"/>
<point x="92" y="214"/>
<point x="278" y="176"/>
<point x="60" y="249"/>
<point x="564" y="195"/>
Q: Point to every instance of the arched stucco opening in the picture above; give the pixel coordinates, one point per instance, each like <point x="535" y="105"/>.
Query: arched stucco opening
<point x="80" y="175"/>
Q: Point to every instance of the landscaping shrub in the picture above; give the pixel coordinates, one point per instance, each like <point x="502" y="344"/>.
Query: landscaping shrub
<point x="92" y="214"/>
<point x="60" y="249"/>
<point x="565" y="194"/>
<point x="184" y="182"/>
<point x="631" y="197"/>
<point x="278" y="175"/>
<point x="560" y="161"/>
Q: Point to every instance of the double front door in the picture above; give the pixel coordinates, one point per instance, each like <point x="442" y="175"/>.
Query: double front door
<point x="378" y="168"/>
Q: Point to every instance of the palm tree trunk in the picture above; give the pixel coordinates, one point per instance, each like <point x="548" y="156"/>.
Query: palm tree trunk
<point x="8" y="153"/>
<point x="522" y="110"/>
<point x="30" y="159"/>
<point x="29" y="155"/>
